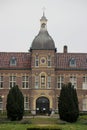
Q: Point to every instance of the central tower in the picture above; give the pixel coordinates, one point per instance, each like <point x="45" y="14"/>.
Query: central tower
<point x="43" y="69"/>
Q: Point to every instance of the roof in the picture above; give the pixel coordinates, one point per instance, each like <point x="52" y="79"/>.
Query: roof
<point x="63" y="61"/>
<point x="22" y="60"/>
<point x="43" y="41"/>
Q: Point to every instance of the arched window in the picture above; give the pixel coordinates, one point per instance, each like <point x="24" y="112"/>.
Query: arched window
<point x="43" y="25"/>
<point x="43" y="80"/>
<point x="13" y="61"/>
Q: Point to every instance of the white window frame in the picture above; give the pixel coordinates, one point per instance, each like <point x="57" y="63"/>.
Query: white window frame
<point x="49" y="61"/>
<point x="36" y="82"/>
<point x="1" y="82"/>
<point x="73" y="80"/>
<point x="84" y="106"/>
<point x="49" y="82"/>
<point x="60" y="81"/>
<point x="84" y="84"/>
<point x="43" y="81"/>
<point x="26" y="102"/>
<point x="25" y="81"/>
<point x="12" y="81"/>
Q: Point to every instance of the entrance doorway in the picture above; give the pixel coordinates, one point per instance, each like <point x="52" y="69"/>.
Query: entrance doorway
<point x="42" y="105"/>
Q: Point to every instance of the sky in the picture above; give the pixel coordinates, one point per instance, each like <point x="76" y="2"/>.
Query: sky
<point x="20" y="23"/>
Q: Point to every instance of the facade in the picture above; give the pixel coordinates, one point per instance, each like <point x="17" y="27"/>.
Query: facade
<point x="41" y="72"/>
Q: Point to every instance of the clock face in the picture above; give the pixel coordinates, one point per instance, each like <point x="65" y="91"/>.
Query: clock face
<point x="43" y="60"/>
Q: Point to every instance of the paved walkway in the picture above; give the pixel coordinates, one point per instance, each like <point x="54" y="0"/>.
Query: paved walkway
<point x="42" y="116"/>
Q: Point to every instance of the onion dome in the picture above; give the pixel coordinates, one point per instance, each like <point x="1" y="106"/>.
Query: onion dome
<point x="43" y="41"/>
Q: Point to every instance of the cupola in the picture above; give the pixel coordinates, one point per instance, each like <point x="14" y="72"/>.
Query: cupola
<point x="43" y="41"/>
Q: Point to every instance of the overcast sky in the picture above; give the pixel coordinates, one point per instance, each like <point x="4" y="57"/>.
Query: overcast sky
<point x="20" y="23"/>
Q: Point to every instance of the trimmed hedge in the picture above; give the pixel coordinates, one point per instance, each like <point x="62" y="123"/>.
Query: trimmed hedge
<point x="44" y="129"/>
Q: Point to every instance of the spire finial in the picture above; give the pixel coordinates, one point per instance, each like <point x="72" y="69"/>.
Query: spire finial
<point x="44" y="11"/>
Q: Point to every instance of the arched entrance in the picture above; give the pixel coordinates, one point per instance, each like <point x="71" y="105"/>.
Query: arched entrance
<point x="42" y="105"/>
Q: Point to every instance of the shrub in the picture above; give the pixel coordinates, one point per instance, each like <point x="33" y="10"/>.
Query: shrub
<point x="15" y="104"/>
<point x="68" y="104"/>
<point x="42" y="128"/>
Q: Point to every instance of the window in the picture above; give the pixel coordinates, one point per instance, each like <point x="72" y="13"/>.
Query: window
<point x="85" y="104"/>
<point x="48" y="82"/>
<point x="25" y="82"/>
<point x="49" y="61"/>
<point x="84" y="84"/>
<point x="1" y="103"/>
<point x="12" y="81"/>
<point x="72" y="62"/>
<point x="1" y="81"/>
<point x="36" y="82"/>
<point x="42" y="81"/>
<point x="60" y="81"/>
<point x="36" y="61"/>
<point x="73" y="80"/>
<point x="43" y="25"/>
<point x="13" y="61"/>
<point x="26" y="103"/>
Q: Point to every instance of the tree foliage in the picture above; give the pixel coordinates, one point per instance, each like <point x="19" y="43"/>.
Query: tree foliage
<point x="68" y="103"/>
<point x="15" y="104"/>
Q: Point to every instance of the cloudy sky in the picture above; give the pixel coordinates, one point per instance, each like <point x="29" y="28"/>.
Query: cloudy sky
<point x="19" y="24"/>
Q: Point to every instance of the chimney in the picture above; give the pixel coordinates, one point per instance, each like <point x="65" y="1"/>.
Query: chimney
<point x="65" y="49"/>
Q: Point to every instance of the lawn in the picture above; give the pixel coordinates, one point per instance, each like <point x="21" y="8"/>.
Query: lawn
<point x="81" y="124"/>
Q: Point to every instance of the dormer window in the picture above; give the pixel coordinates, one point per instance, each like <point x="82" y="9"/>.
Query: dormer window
<point x="13" y="61"/>
<point x="72" y="62"/>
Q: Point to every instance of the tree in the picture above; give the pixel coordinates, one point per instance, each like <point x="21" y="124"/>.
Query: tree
<point x="68" y="103"/>
<point x="15" y="104"/>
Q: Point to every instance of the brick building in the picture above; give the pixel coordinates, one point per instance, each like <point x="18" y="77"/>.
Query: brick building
<point x="41" y="72"/>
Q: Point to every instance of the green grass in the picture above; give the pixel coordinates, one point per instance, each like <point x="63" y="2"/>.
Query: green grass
<point x="81" y="124"/>
<point x="24" y="127"/>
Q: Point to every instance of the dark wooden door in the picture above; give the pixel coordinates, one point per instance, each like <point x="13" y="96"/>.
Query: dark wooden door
<point x="42" y="105"/>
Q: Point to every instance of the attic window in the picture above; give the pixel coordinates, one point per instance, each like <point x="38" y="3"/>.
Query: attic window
<point x="72" y="62"/>
<point x="13" y="61"/>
